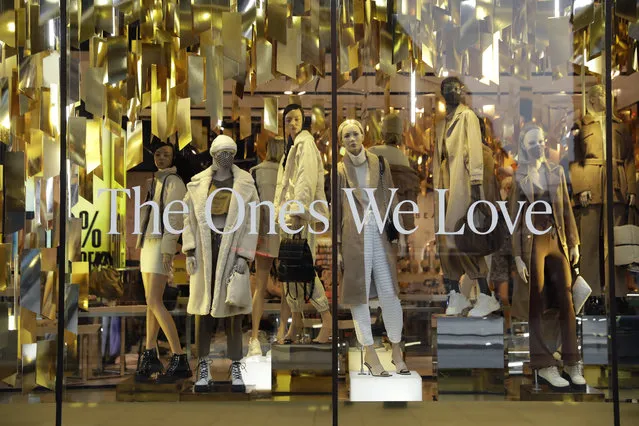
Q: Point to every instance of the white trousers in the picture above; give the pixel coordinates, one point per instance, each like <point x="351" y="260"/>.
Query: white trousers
<point x="376" y="265"/>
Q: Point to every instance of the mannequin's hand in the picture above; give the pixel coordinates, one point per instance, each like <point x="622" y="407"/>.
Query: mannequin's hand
<point x="585" y="198"/>
<point x="240" y="265"/>
<point x="521" y="268"/>
<point x="167" y="262"/>
<point x="631" y="200"/>
<point x="191" y="265"/>
<point x="574" y="255"/>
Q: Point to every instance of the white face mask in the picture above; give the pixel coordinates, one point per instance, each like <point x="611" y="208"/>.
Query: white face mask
<point x="224" y="159"/>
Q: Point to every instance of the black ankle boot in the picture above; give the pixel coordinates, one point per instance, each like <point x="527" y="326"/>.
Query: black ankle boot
<point x="148" y="365"/>
<point x="178" y="369"/>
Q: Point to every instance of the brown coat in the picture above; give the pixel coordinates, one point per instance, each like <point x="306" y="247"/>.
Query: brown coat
<point x="587" y="171"/>
<point x="353" y="290"/>
<point x="522" y="239"/>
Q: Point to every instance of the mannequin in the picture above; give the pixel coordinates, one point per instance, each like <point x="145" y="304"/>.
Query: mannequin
<point x="404" y="176"/>
<point x="588" y="177"/>
<point x="458" y="166"/>
<point x="301" y="179"/>
<point x="540" y="256"/>
<point x="156" y="261"/>
<point x="212" y="257"/>
<point x="369" y="252"/>
<point x="265" y="175"/>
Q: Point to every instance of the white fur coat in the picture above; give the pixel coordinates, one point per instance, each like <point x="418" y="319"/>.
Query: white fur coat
<point x="197" y="236"/>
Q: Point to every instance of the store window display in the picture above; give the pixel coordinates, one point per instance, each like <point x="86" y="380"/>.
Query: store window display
<point x="265" y="176"/>
<point x="458" y="167"/>
<point x="368" y="258"/>
<point x="214" y="257"/>
<point x="551" y="254"/>
<point x="588" y="178"/>
<point x="158" y="246"/>
<point x="300" y="182"/>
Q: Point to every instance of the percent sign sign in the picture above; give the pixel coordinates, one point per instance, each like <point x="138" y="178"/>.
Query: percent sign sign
<point x="88" y="226"/>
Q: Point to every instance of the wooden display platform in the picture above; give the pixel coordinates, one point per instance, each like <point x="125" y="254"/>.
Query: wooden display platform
<point x="546" y="394"/>
<point x="303" y="357"/>
<point x="130" y="391"/>
<point x="220" y="392"/>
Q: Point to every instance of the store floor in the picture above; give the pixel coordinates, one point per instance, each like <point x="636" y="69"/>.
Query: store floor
<point x="314" y="414"/>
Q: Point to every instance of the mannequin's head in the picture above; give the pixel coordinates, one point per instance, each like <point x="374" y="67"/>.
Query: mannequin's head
<point x="452" y="90"/>
<point x="293" y="120"/>
<point x="392" y="129"/>
<point x="275" y="149"/>
<point x="164" y="156"/>
<point x="596" y="101"/>
<point x="532" y="143"/>
<point x="318" y="119"/>
<point x="351" y="136"/>
<point x="223" y="151"/>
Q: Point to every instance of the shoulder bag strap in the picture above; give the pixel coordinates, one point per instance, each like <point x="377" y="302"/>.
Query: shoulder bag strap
<point x="162" y="199"/>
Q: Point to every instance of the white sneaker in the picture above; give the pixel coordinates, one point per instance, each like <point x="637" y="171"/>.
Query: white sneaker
<point x="575" y="375"/>
<point x="255" y="349"/>
<point x="235" y="373"/>
<point x="204" y="381"/>
<point x="551" y="377"/>
<point x="485" y="305"/>
<point x="457" y="302"/>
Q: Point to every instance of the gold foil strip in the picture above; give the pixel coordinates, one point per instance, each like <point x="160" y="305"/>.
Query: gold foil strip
<point x="134" y="146"/>
<point x="71" y="299"/>
<point x="14" y="192"/>
<point x="29" y="354"/>
<point x="559" y="49"/>
<point x="30" y="268"/>
<point x="245" y="123"/>
<point x="49" y="296"/>
<point x="5" y="265"/>
<point x="200" y="136"/>
<point x="159" y="120"/>
<point x="583" y="14"/>
<point x="74" y="239"/>
<point x="597" y="34"/>
<point x="104" y="18"/>
<point x="77" y="129"/>
<point x="34" y="153"/>
<point x="46" y="363"/>
<point x="184" y="123"/>
<point x="8" y="23"/>
<point x="289" y="54"/>
<point x="196" y="79"/>
<point x="117" y="66"/>
<point x="386" y="53"/>
<point x="93" y="148"/>
<point x="276" y="27"/>
<point x="119" y="169"/>
<point x="324" y="23"/>
<point x="232" y="36"/>
<point x="93" y="91"/>
<point x="80" y="276"/>
<point x="264" y="65"/>
<point x="202" y="18"/>
<point x="37" y="33"/>
<point x="270" y="114"/>
<point x="214" y="84"/>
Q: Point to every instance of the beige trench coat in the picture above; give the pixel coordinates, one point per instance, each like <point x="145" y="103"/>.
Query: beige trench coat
<point x="463" y="165"/>
<point x="353" y="288"/>
<point x="522" y="239"/>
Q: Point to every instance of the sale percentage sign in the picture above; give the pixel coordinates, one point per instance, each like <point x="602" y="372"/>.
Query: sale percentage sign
<point x="91" y="232"/>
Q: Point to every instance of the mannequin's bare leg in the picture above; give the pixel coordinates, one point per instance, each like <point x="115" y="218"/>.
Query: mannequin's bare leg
<point x="154" y="302"/>
<point x="262" y="270"/>
<point x="327" y="327"/>
<point x="152" y="325"/>
<point x="285" y="314"/>
<point x="501" y="288"/>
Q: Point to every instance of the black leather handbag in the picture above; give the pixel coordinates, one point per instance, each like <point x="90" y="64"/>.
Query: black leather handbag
<point x="295" y="261"/>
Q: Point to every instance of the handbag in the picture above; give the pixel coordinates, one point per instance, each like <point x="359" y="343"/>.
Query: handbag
<point x="238" y="291"/>
<point x="389" y="227"/>
<point x="295" y="261"/>
<point x="169" y="297"/>
<point x="106" y="282"/>
<point x="580" y="291"/>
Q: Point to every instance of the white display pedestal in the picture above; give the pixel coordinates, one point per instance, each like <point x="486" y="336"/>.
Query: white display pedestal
<point x="397" y="388"/>
<point x="257" y="376"/>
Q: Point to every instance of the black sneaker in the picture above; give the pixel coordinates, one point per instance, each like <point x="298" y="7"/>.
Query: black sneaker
<point x="148" y="365"/>
<point x="178" y="369"/>
<point x="235" y="373"/>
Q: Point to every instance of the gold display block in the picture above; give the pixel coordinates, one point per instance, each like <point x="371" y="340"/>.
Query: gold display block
<point x="130" y="391"/>
<point x="220" y="392"/>
<point x="528" y="393"/>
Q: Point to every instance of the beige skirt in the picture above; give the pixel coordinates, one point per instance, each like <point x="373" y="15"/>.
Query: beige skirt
<point x="151" y="256"/>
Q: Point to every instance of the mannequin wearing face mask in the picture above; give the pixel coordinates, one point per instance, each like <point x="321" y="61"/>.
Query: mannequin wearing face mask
<point x="212" y="257"/>
<point x="458" y="166"/>
<point x="368" y="259"/>
<point x="547" y="255"/>
<point x="158" y="247"/>
<point x="588" y="177"/>
<point x="301" y="180"/>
